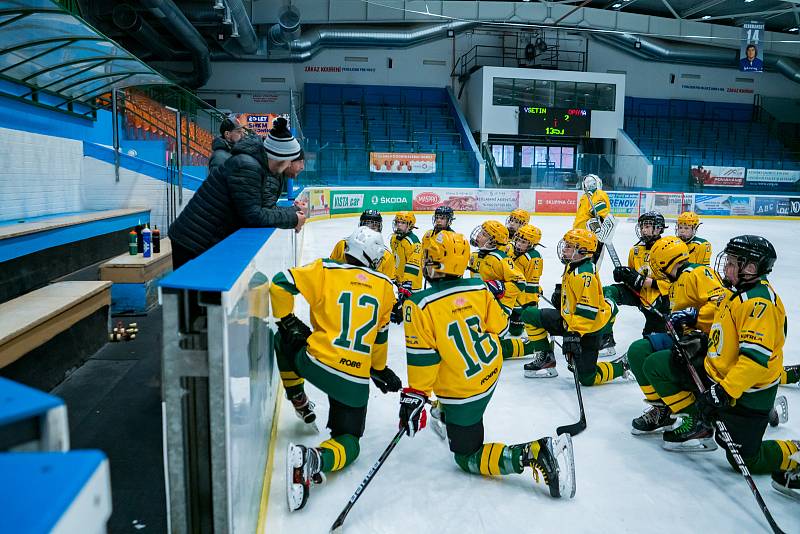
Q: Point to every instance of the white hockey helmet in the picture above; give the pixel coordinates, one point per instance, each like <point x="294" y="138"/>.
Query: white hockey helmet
<point x="591" y="183"/>
<point x="366" y="246"/>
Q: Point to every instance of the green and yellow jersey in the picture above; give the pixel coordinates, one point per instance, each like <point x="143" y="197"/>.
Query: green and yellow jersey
<point x="583" y="307"/>
<point x="601" y="203"/>
<point x="530" y="265"/>
<point x="453" y="348"/>
<point x="408" y="260"/>
<point x="745" y="346"/>
<point x="386" y="266"/>
<point x="495" y="265"/>
<point x="698" y="287"/>
<point x="699" y="251"/>
<point x="639" y="260"/>
<point x="349" y="307"/>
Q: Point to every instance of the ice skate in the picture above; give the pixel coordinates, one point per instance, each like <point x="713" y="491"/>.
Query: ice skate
<point x="303" y="468"/>
<point x="692" y="435"/>
<point x="656" y="419"/>
<point x="543" y="365"/>
<point x="554" y="462"/>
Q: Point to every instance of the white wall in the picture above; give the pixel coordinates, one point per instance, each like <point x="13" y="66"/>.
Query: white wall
<point x="651" y="79"/>
<point x="505" y="119"/>
<point x="631" y="165"/>
<point x="39" y="174"/>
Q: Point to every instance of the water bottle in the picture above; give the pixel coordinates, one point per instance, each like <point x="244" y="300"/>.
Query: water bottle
<point x="147" y="242"/>
<point x="139" y="244"/>
<point x="156" y="240"/>
<point x="132" y="247"/>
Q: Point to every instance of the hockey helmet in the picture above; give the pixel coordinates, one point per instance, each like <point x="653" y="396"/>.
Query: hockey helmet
<point x="576" y="241"/>
<point x="443" y="212"/>
<point x="371" y="219"/>
<point x="686" y="226"/>
<point x="497" y="235"/>
<point x="656" y="220"/>
<point x="741" y="252"/>
<point x="517" y="218"/>
<point x="665" y="254"/>
<point x="591" y="183"/>
<point x="444" y="254"/>
<point x="404" y="217"/>
<point x="527" y="237"/>
<point x="365" y="245"/>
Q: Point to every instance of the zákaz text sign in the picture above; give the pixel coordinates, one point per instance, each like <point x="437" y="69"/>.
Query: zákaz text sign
<point x="560" y="122"/>
<point x="402" y="163"/>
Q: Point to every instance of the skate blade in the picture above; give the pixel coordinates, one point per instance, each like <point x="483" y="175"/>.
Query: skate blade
<point x="692" y="445"/>
<point x="607" y="352"/>
<point x="562" y="448"/>
<point x="313" y="426"/>
<point x="788" y="492"/>
<point x="542" y="373"/>
<point x="656" y="432"/>
<point x="294" y="492"/>
<point x="782" y="407"/>
<point x="439" y="428"/>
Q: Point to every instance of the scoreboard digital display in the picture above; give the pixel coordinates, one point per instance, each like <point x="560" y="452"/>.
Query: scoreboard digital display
<point x="555" y="122"/>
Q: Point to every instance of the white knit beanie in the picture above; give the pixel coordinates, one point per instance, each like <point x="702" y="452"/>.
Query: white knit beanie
<point x="280" y="144"/>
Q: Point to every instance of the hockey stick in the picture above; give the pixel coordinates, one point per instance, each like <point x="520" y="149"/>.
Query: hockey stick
<point x="575" y="428"/>
<point x="721" y="427"/>
<point x="336" y="528"/>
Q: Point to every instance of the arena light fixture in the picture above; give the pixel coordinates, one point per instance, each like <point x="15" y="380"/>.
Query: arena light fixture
<point x="705" y="17"/>
<point x="616" y="6"/>
<point x="792" y="30"/>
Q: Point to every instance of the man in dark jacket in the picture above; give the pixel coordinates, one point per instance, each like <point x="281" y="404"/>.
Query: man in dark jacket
<point x="235" y="195"/>
<point x="230" y="133"/>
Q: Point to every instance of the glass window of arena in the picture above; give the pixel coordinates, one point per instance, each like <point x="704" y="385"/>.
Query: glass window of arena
<point x="553" y="93"/>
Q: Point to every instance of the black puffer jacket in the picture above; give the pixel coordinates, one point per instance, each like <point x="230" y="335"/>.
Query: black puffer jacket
<point x="233" y="196"/>
<point x="222" y="151"/>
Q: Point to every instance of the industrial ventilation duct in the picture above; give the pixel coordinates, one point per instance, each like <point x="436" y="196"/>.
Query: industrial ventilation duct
<point x="695" y="54"/>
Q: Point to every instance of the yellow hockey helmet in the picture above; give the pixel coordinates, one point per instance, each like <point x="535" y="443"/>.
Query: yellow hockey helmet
<point x="445" y="253"/>
<point x="689" y="218"/>
<point x="404" y="217"/>
<point x="496" y="231"/>
<point x="581" y="241"/>
<point x="527" y="237"/>
<point x="686" y="227"/>
<point x="665" y="254"/>
<point x="519" y="216"/>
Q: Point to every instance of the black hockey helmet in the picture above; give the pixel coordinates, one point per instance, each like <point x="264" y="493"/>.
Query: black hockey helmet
<point x="656" y="220"/>
<point x="747" y="249"/>
<point x="446" y="212"/>
<point x="372" y="219"/>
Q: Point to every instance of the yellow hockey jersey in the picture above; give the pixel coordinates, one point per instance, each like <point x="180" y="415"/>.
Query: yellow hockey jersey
<point x="530" y="265"/>
<point x="495" y="265"/>
<point x="386" y="266"/>
<point x="601" y="203"/>
<point x="583" y="307"/>
<point x="699" y="251"/>
<point x="639" y="260"/>
<point x="452" y="340"/>
<point x="408" y="260"/>
<point x="698" y="287"/>
<point x="350" y="308"/>
<point x="745" y="346"/>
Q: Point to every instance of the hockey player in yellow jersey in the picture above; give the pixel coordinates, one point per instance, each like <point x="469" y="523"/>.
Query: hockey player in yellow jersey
<point x="636" y="276"/>
<point x="530" y="263"/>
<point x="686" y="229"/>
<point x="453" y="348"/>
<point x="493" y="266"/>
<point x="407" y="253"/>
<point x="516" y="219"/>
<point x="374" y="220"/>
<point x="583" y="312"/>
<point x="442" y="219"/>
<point x="740" y="365"/>
<point x="594" y="204"/>
<point x="350" y="304"/>
<point x="692" y="287"/>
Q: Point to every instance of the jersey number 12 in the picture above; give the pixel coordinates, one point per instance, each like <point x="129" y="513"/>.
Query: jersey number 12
<point x="357" y="344"/>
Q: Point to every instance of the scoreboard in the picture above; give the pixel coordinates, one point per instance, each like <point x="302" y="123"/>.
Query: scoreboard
<point x="556" y="122"/>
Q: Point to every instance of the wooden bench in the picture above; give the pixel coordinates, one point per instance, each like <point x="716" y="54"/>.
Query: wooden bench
<point x="55" y="328"/>
<point x="135" y="279"/>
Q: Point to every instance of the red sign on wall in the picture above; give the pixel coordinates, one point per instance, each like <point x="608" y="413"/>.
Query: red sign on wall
<point x="556" y="202"/>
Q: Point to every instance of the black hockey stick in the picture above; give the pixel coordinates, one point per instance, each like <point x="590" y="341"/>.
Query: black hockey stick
<point x="336" y="528"/>
<point x="575" y="428"/>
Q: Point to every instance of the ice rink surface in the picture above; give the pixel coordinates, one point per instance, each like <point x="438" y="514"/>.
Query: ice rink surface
<point x="624" y="483"/>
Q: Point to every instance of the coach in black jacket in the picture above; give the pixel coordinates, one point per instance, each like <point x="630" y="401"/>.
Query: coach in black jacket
<point x="230" y="133"/>
<point x="239" y="194"/>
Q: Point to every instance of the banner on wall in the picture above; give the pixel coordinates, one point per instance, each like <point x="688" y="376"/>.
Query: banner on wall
<point x="556" y="201"/>
<point x="402" y="163"/>
<point x="466" y="199"/>
<point x="749" y="60"/>
<point x="260" y="123"/>
<point x="765" y="206"/>
<point x="790" y="207"/>
<point x="772" y="176"/>
<point x="318" y="201"/>
<point x="624" y="203"/>
<point x="716" y="176"/>
<point x="724" y="205"/>
<point x="358" y="200"/>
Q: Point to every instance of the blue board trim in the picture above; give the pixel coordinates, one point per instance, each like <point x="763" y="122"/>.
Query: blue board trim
<point x="219" y="268"/>
<point x="14" y="247"/>
<point x="18" y="402"/>
<point x="37" y="488"/>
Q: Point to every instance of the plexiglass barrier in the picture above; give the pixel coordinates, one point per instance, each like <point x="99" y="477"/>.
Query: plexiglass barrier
<point x="220" y="381"/>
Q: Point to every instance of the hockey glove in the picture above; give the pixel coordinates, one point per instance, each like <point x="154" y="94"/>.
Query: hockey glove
<point x="571" y="345"/>
<point x="593" y="225"/>
<point x="385" y="380"/>
<point x="294" y="333"/>
<point x="683" y="318"/>
<point x="515" y="324"/>
<point x="403" y="292"/>
<point x="497" y="287"/>
<point x="630" y="277"/>
<point x="694" y="345"/>
<point x="712" y="401"/>
<point x="413" y="416"/>
<point x="555" y="298"/>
